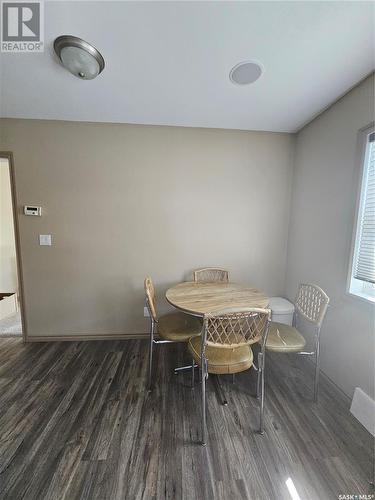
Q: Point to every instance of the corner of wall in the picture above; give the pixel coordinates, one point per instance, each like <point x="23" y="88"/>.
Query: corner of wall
<point x="290" y="197"/>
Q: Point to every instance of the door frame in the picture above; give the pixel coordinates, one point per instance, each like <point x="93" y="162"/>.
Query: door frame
<point x="8" y="155"/>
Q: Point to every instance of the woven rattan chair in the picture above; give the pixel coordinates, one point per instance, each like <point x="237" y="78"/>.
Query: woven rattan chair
<point x="224" y="347"/>
<point x="211" y="275"/>
<point x="311" y="304"/>
<point x="173" y="327"/>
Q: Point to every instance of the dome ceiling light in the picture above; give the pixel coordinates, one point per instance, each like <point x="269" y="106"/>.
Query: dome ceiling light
<point x="79" y="57"/>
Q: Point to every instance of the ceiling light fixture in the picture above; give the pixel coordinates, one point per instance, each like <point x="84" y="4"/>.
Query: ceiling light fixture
<point x="79" y="57"/>
<point x="245" y="73"/>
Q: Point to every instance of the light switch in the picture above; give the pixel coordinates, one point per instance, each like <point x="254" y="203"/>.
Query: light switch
<point x="45" y="239"/>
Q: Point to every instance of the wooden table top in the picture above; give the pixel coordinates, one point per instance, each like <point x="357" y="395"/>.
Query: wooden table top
<point x="201" y="298"/>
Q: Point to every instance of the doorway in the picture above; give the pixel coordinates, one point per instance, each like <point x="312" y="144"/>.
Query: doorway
<point x="11" y="310"/>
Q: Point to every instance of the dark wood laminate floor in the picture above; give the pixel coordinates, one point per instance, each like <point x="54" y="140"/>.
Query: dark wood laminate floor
<point x="77" y="423"/>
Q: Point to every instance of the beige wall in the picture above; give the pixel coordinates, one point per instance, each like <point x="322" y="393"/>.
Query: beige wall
<point x="322" y="217"/>
<point x="124" y="201"/>
<point x="8" y="268"/>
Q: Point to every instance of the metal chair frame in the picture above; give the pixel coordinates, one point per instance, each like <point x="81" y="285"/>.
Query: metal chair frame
<point x="227" y="316"/>
<point x="152" y="341"/>
<point x="311" y="303"/>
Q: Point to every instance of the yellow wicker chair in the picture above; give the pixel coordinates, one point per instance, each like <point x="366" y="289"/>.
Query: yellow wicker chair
<point x="211" y="275"/>
<point x="224" y="347"/>
<point x="173" y="327"/>
<point x="311" y="304"/>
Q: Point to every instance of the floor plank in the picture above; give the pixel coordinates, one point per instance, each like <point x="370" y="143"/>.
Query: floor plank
<point x="76" y="422"/>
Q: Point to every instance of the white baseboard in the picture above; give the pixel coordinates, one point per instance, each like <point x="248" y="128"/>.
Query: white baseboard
<point x="363" y="409"/>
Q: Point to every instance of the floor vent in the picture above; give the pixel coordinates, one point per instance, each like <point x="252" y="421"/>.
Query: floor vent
<point x="363" y="408"/>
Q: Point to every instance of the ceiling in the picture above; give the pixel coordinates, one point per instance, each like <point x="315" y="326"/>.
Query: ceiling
<point x="168" y="63"/>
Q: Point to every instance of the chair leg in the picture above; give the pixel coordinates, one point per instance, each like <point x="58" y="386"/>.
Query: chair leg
<point x="150" y="357"/>
<point x="204" y="424"/>
<point x="258" y="383"/>
<point x="257" y="369"/>
<point x="317" y="370"/>
<point x="261" y="373"/>
<point x="182" y="369"/>
<point x="192" y="374"/>
<point x="233" y="378"/>
<point x="261" y="427"/>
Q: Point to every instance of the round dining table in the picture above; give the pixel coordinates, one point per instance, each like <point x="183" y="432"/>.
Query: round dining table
<point x="200" y="298"/>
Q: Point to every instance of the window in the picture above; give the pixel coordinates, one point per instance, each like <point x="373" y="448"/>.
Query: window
<point x="362" y="276"/>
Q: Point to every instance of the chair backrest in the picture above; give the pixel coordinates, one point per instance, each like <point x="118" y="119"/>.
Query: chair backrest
<point x="312" y="303"/>
<point x="150" y="298"/>
<point x="230" y="329"/>
<point x="211" y="275"/>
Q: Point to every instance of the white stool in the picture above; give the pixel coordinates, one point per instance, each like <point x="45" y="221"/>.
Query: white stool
<point x="282" y="310"/>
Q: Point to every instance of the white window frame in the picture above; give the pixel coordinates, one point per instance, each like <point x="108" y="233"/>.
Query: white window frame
<point x="355" y="287"/>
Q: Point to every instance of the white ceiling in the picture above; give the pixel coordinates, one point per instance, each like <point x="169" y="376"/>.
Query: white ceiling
<point x="168" y="63"/>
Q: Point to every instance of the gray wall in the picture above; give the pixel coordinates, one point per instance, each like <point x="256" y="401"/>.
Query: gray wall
<point x="124" y="201"/>
<point x="321" y="226"/>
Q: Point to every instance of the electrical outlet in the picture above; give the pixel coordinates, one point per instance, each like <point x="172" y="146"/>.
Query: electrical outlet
<point x="146" y="314"/>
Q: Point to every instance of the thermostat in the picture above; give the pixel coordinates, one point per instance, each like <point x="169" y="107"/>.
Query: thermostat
<point x="32" y="210"/>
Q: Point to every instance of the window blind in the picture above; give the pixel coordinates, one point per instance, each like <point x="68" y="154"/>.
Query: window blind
<point x="364" y="268"/>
